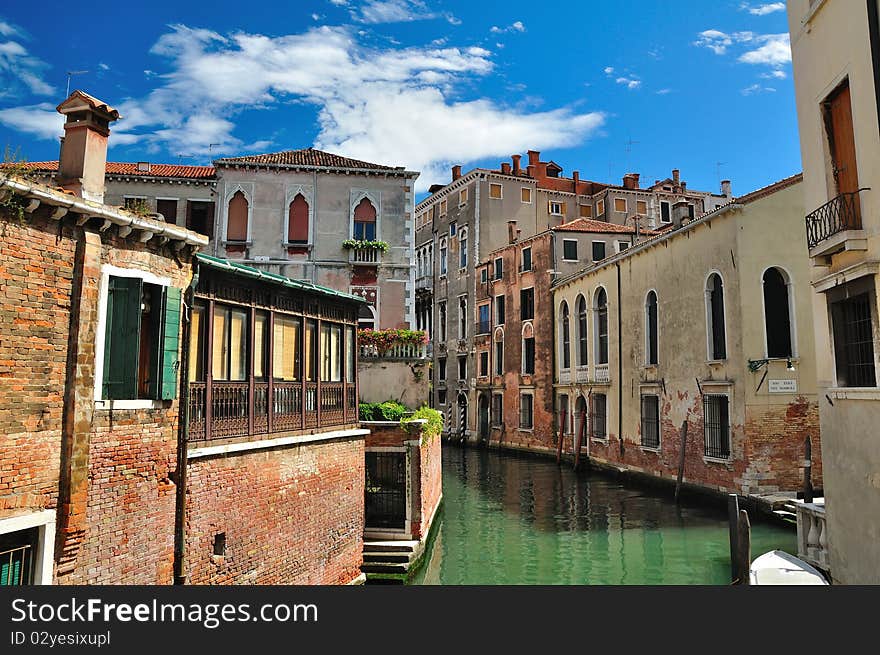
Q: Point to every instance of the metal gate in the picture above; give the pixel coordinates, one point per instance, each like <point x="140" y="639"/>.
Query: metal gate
<point x="385" y="497"/>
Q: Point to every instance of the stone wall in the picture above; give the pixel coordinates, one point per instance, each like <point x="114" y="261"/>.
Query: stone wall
<point x="407" y="381"/>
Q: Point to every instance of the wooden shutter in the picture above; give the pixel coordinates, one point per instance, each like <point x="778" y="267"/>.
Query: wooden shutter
<point x="122" y="338"/>
<point x="169" y="343"/>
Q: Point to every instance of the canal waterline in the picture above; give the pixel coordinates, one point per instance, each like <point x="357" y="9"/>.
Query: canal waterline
<point x="513" y="519"/>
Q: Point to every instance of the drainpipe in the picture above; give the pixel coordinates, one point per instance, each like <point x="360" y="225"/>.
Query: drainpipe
<point x="619" y="365"/>
<point x="555" y="342"/>
<point x="180" y="568"/>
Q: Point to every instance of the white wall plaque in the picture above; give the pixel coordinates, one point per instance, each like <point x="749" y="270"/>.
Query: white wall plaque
<point x="782" y="386"/>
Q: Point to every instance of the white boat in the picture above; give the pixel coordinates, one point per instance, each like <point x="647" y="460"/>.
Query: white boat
<point x="779" y="568"/>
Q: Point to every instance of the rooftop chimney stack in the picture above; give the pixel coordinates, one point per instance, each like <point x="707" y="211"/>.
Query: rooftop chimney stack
<point x="456" y="172"/>
<point x="534" y="157"/>
<point x="516" y="165"/>
<point x="505" y="168"/>
<point x="83" y="159"/>
<point x="676" y="176"/>
<point x="512" y="232"/>
<point x="576" y="178"/>
<point x="725" y="189"/>
<point x="631" y="181"/>
<point x="680" y="213"/>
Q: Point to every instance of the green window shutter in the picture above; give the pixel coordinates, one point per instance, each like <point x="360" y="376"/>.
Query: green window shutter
<point x="170" y="345"/>
<point x="122" y="338"/>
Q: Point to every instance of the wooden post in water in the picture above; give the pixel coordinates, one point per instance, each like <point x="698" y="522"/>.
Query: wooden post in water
<point x="744" y="547"/>
<point x="808" y="470"/>
<point x="684" y="434"/>
<point x="560" y="437"/>
<point x="733" y="523"/>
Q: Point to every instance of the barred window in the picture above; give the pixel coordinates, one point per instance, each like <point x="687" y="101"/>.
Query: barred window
<point x="716" y="422"/>
<point x="598" y="417"/>
<point x="651" y="421"/>
<point x="526" y="408"/>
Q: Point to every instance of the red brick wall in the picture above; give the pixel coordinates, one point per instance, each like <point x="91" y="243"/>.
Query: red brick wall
<point x="36" y="270"/>
<point x="431" y="484"/>
<point x="291" y="515"/>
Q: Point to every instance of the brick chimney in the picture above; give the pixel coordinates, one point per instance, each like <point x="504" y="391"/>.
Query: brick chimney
<point x="725" y="189"/>
<point x="516" y="163"/>
<point x="83" y="158"/>
<point x="576" y="178"/>
<point x="680" y="213"/>
<point x="676" y="176"/>
<point x="456" y="172"/>
<point x="631" y="181"/>
<point x="534" y="157"/>
<point x="505" y="168"/>
<point x="512" y="232"/>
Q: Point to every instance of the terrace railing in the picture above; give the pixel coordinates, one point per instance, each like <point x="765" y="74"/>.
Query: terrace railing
<point x="837" y="215"/>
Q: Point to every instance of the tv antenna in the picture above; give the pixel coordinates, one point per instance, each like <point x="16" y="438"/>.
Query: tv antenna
<point x="71" y="74"/>
<point x="718" y="165"/>
<point x="628" y="144"/>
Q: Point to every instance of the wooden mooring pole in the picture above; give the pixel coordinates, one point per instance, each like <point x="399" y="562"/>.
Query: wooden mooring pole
<point x="733" y="522"/>
<point x="744" y="547"/>
<point x="808" y="470"/>
<point x="684" y="434"/>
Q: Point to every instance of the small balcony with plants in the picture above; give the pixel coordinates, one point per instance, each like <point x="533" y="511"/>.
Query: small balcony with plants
<point x="393" y="344"/>
<point x="363" y="251"/>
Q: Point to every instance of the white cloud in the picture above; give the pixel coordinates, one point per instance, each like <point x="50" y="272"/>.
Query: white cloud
<point x="609" y="70"/>
<point x="763" y="10"/>
<point x="774" y="51"/>
<point x="39" y="120"/>
<point x="774" y="75"/>
<point x="516" y="26"/>
<point x="20" y="72"/>
<point x="757" y="88"/>
<point x="388" y="105"/>
<point x="663" y="92"/>
<point x="390" y="11"/>
<point x="630" y="82"/>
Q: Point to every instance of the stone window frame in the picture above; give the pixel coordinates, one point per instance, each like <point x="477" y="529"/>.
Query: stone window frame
<point x="522" y="394"/>
<point x="710" y="327"/>
<point x="575" y="242"/>
<point x="44" y="558"/>
<point x="617" y="200"/>
<point x="290" y="193"/>
<point x="500" y="188"/>
<point x="247" y="190"/>
<point x="792" y="314"/>
<point x="355" y="198"/>
<point x="108" y="271"/>
<point x="531" y="195"/>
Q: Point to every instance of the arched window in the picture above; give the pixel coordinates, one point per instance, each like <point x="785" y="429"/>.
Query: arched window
<point x="237" y="218"/>
<point x="715" y="316"/>
<point x="444" y="254"/>
<point x="565" y="336"/>
<point x="601" y="309"/>
<point x="777" y="313"/>
<point x="499" y="351"/>
<point x="366" y="317"/>
<point x="582" y="357"/>
<point x="365" y="221"/>
<point x="463" y="248"/>
<point x="298" y="220"/>
<point x="651" y="329"/>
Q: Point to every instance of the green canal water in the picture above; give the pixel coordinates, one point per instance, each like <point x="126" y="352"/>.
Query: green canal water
<point x="509" y="519"/>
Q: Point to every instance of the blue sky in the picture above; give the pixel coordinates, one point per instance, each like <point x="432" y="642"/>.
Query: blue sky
<point x="422" y="84"/>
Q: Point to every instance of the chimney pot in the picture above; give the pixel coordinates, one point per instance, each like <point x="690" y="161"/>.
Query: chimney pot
<point x="512" y="232"/>
<point x="83" y="157"/>
<point x="676" y="175"/>
<point x="534" y="157"/>
<point x="505" y="168"/>
<point x="679" y="213"/>
<point x="576" y="177"/>
<point x="456" y="172"/>
<point x="684" y="186"/>
<point x="516" y="163"/>
<point x="725" y="189"/>
<point x="143" y="166"/>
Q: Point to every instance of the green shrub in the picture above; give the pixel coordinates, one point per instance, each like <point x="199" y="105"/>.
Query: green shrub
<point x="390" y="410"/>
<point x="432" y="428"/>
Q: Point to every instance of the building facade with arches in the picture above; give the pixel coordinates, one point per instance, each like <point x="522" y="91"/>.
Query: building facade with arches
<point x="297" y="213"/>
<point x="705" y="325"/>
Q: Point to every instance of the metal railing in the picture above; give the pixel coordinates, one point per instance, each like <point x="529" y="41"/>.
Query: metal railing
<point x="15" y="566"/>
<point x="483" y="327"/>
<point x="837" y="215"/>
<point x="226" y="410"/>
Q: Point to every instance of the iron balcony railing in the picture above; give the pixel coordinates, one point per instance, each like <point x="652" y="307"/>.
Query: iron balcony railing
<point x="837" y="215"/>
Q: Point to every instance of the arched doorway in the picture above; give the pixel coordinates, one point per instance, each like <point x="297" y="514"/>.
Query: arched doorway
<point x="484" y="417"/>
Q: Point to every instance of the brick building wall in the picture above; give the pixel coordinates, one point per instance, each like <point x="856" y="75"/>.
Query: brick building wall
<point x="290" y="515"/>
<point x="36" y="273"/>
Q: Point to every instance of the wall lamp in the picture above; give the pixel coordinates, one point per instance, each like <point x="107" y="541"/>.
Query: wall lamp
<point x="757" y="364"/>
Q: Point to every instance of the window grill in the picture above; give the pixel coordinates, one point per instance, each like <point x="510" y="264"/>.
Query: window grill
<point x="716" y="422"/>
<point x="15" y="566"/>
<point x="598" y="417"/>
<point x="854" y="342"/>
<point x="650" y="421"/>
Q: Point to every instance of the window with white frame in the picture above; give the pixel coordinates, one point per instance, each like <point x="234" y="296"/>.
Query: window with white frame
<point x="582" y="356"/>
<point x="598" y="251"/>
<point x="715" y="317"/>
<point x="495" y="191"/>
<point x="778" y="326"/>
<point x="462" y="248"/>
<point x="569" y="250"/>
<point x="526" y="195"/>
<point x="526" y="259"/>
<point x="556" y="208"/>
<point x="600" y="207"/>
<point x="620" y="204"/>
<point x="564" y="336"/>
<point x="462" y="197"/>
<point x="601" y="313"/>
<point x="651" y="337"/>
<point x="444" y="257"/>
<point x="499" y="352"/>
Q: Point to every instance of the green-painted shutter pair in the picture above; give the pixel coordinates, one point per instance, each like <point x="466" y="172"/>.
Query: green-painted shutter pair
<point x="123" y="336"/>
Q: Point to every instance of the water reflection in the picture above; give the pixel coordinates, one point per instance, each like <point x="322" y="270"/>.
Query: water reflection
<point x="518" y="520"/>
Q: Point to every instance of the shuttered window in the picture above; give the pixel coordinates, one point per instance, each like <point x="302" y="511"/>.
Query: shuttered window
<point x="141" y="340"/>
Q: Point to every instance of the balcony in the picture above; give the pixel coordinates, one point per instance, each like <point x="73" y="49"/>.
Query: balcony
<point x="483" y="327"/>
<point x="229" y="410"/>
<point x="407" y="351"/>
<point x="812" y="533"/>
<point x="601" y="374"/>
<point x="425" y="283"/>
<point x="836" y="226"/>
<point x="365" y="252"/>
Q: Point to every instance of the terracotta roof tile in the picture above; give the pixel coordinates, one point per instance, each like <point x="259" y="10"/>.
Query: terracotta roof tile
<point x="129" y="168"/>
<point x="589" y="225"/>
<point x="306" y="157"/>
